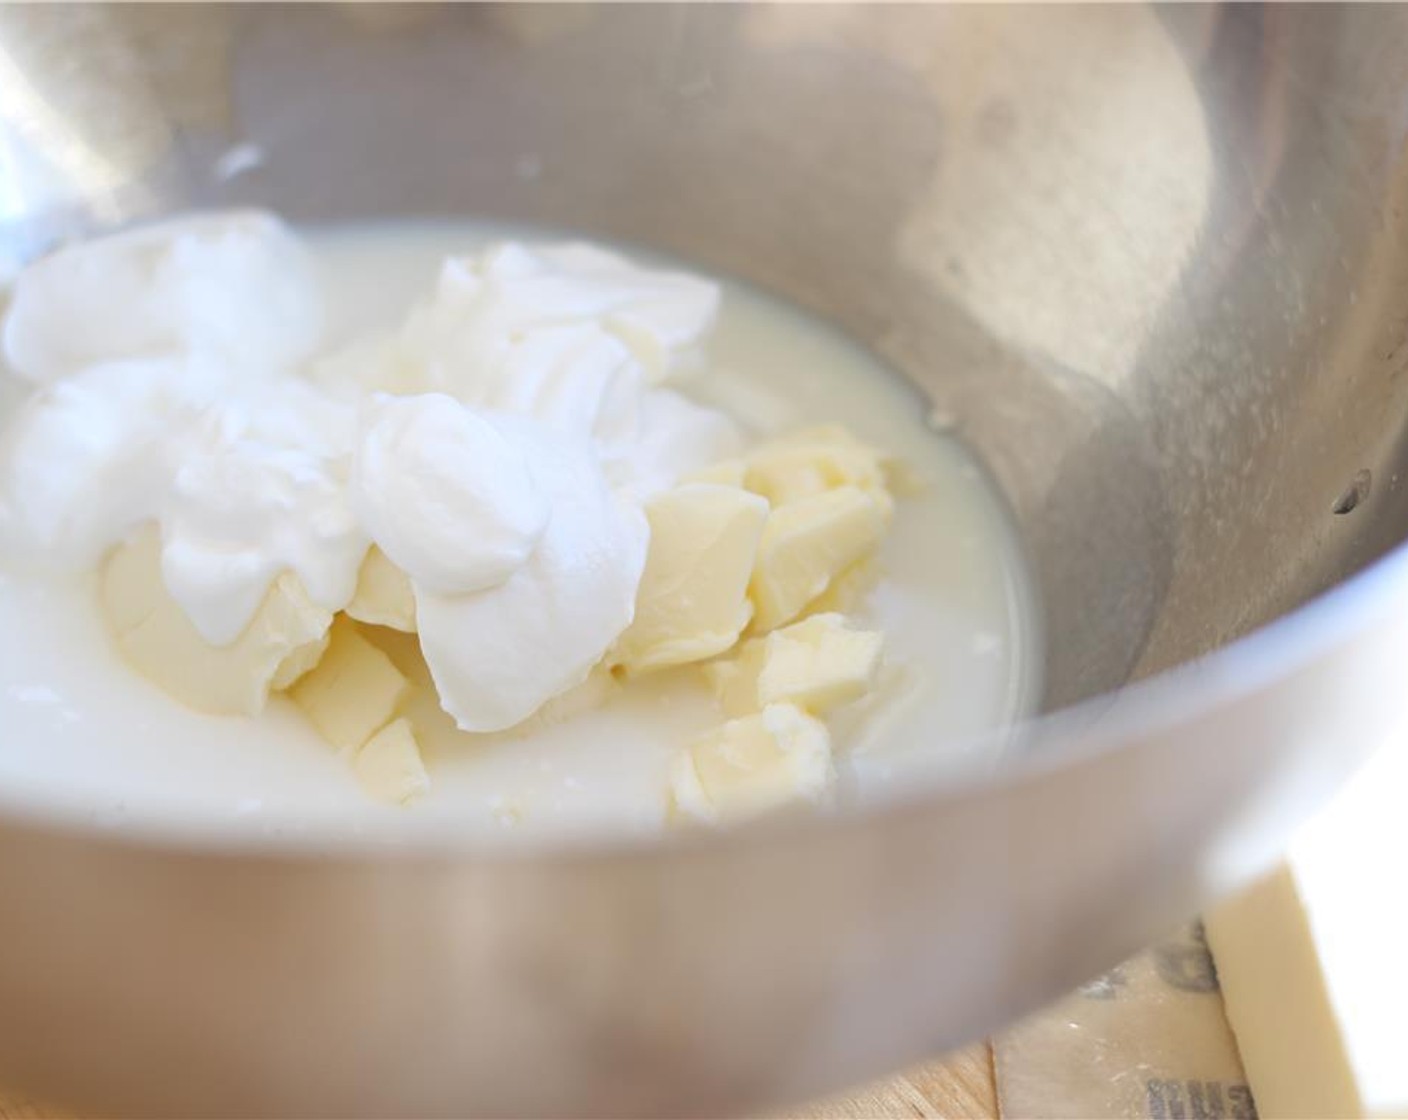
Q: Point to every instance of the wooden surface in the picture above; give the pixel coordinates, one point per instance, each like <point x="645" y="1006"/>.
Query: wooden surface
<point x="959" y="1088"/>
<point x="16" y="1108"/>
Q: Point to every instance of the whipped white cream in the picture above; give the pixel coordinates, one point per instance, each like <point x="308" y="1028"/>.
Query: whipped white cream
<point x="236" y="287"/>
<point x="540" y="632"/>
<point x="259" y="485"/>
<point x="86" y="459"/>
<point x="496" y="447"/>
<point x="448" y="496"/>
<point x="570" y="335"/>
<point x="516" y="311"/>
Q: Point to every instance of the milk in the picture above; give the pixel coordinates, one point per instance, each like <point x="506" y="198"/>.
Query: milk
<point x="85" y="736"/>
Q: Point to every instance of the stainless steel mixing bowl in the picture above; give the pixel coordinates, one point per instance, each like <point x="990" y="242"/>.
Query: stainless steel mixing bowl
<point x="1152" y="264"/>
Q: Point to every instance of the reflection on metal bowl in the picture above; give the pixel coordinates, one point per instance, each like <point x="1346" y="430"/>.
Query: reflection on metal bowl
<point x="1153" y="264"/>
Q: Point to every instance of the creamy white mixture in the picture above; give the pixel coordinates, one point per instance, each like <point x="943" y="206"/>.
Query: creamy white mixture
<point x="83" y="732"/>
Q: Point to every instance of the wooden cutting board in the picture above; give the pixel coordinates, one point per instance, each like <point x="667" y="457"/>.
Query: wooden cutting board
<point x="960" y="1087"/>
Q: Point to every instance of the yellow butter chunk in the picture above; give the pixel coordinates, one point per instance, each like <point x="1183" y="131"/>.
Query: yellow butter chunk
<point x="790" y="472"/>
<point x="383" y="596"/>
<point x="354" y="691"/>
<point x="734" y="679"/>
<point x="814" y="461"/>
<point x="300" y="662"/>
<point x="817" y="664"/>
<point x="806" y="544"/>
<point x="156" y="637"/>
<point x="749" y="766"/>
<point x="693" y="599"/>
<point x="730" y="472"/>
<point x="389" y="765"/>
<point x="848" y="590"/>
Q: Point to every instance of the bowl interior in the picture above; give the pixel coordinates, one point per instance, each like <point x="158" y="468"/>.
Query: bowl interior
<point x="1158" y="287"/>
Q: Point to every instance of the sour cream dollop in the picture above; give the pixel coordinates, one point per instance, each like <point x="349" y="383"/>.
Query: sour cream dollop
<point x="448" y="496"/>
<point x="497" y="446"/>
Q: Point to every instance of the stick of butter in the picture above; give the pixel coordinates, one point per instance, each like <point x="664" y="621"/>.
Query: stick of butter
<point x="1311" y="959"/>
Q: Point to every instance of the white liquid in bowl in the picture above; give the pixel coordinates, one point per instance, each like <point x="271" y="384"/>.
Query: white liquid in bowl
<point x="80" y="733"/>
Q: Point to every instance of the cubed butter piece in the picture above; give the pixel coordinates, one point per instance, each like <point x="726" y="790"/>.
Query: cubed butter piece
<point x="729" y="472"/>
<point x="817" y="664"/>
<point x="812" y="462"/>
<point x="433" y="727"/>
<point x="693" y="599"/>
<point x="806" y="544"/>
<point x="818" y="435"/>
<point x="354" y="691"/>
<point x="389" y="765"/>
<point x="384" y="596"/>
<point x="157" y="638"/>
<point x="734" y="679"/>
<point x="846" y="593"/>
<point x="753" y="765"/>
<point x="878" y="716"/>
<point x="404" y="650"/>
<point x="300" y="662"/>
